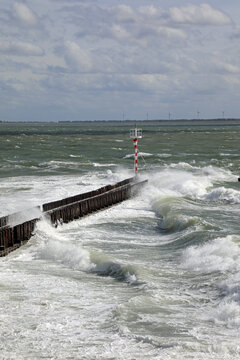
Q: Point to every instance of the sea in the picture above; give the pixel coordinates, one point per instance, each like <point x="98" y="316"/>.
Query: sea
<point x="154" y="277"/>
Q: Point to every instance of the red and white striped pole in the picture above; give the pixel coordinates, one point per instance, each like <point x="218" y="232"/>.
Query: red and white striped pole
<point x="135" y="142"/>
<point x="135" y="134"/>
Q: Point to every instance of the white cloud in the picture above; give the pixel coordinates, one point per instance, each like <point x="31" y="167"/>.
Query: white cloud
<point x="120" y="33"/>
<point x="77" y="58"/>
<point x="119" y="52"/>
<point x="125" y="24"/>
<point x="124" y="13"/>
<point x="203" y="14"/>
<point x="172" y="33"/>
<point x="150" y="11"/>
<point x="227" y="67"/>
<point x="24" y="14"/>
<point x="20" y="49"/>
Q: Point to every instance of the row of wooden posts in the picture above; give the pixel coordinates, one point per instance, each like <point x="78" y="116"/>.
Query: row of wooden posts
<point x="65" y="210"/>
<point x="12" y="238"/>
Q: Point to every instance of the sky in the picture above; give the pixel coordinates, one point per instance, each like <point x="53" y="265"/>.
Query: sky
<point x="72" y="60"/>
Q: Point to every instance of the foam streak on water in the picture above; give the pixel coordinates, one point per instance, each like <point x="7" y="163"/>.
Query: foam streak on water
<point x="156" y="276"/>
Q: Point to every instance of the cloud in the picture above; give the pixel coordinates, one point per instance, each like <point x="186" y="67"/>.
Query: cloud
<point x="225" y="67"/>
<point x="236" y="33"/>
<point x="20" y="49"/>
<point x="24" y="14"/>
<point x="171" y="33"/>
<point x="111" y="54"/>
<point x="120" y="33"/>
<point x="77" y="58"/>
<point x="124" y="13"/>
<point x="142" y="25"/>
<point x="150" y="11"/>
<point x="124" y="24"/>
<point x="204" y="14"/>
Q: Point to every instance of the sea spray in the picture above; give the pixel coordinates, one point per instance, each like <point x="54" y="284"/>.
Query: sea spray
<point x="56" y="247"/>
<point x="24" y="215"/>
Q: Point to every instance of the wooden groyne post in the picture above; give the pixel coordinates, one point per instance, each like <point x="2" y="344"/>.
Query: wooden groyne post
<point x="13" y="236"/>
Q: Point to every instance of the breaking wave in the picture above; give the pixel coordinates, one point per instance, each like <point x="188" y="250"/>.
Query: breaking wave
<point x="170" y="217"/>
<point x="58" y="248"/>
<point x="231" y="196"/>
<point x="221" y="254"/>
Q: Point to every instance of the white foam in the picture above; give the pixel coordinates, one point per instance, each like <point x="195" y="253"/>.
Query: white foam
<point x="223" y="194"/>
<point x="75" y="156"/>
<point x="164" y="155"/>
<point x="184" y="180"/>
<point x="182" y="166"/>
<point x="102" y="165"/>
<point x="228" y="154"/>
<point x="221" y="254"/>
<point x="227" y="313"/>
<point x="213" y="173"/>
<point x="69" y="255"/>
<point x="17" y="193"/>
<point x="217" y="174"/>
<point x="230" y="287"/>
<point x="56" y="247"/>
<point x="170" y="182"/>
<point x="139" y="153"/>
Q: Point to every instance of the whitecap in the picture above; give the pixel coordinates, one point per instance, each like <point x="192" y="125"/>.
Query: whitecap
<point x="223" y="194"/>
<point x="102" y="165"/>
<point x="221" y="254"/>
<point x="179" y="183"/>
<point x="225" y="313"/>
<point x="140" y="154"/>
<point x="75" y="156"/>
<point x="164" y="155"/>
<point x="55" y="247"/>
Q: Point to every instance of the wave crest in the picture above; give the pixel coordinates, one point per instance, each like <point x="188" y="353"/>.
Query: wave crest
<point x="221" y="254"/>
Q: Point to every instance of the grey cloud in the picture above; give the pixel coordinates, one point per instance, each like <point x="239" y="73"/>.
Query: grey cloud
<point x="223" y="67"/>
<point x="236" y="33"/>
<point x="123" y="23"/>
<point x="77" y="58"/>
<point x="111" y="52"/>
<point x="24" y="14"/>
<point x="20" y="49"/>
<point x="203" y="14"/>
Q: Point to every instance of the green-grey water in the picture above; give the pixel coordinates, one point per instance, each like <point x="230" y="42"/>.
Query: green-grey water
<point x="156" y="276"/>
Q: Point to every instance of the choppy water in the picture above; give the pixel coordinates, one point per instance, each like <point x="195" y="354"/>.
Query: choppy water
<point x="157" y="276"/>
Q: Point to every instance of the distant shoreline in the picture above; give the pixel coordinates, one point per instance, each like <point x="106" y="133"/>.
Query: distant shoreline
<point x="229" y="121"/>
